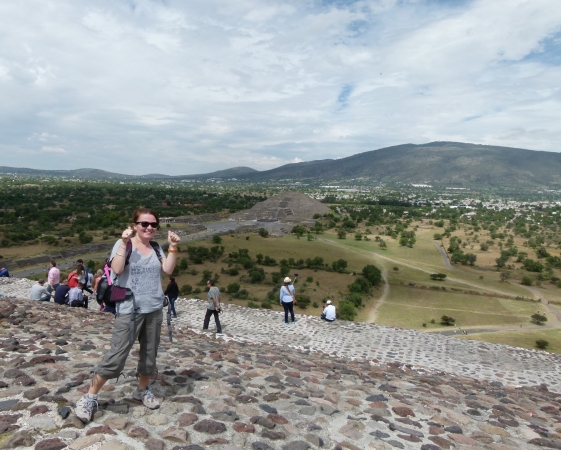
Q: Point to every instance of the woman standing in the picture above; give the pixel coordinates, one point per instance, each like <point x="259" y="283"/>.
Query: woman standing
<point x="139" y="316"/>
<point x="287" y="300"/>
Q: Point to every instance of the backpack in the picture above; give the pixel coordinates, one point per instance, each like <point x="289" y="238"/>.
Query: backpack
<point x="105" y="284"/>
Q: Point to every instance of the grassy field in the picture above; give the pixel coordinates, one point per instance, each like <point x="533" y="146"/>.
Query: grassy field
<point x="410" y="308"/>
<point x="472" y="295"/>
<point x="521" y="338"/>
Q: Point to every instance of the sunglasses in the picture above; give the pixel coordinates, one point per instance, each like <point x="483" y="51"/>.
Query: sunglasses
<point x="145" y="224"/>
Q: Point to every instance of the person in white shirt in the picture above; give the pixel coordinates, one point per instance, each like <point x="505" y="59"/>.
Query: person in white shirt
<point x="328" y="312"/>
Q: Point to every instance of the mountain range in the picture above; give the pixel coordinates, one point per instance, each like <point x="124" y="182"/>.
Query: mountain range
<point x="453" y="164"/>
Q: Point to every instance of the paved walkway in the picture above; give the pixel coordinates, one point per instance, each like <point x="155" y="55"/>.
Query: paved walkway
<point x="510" y="365"/>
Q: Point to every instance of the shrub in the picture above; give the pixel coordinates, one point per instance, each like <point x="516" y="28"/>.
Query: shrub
<point x="315" y="305"/>
<point x="266" y="304"/>
<point x="241" y="294"/>
<point x="303" y="301"/>
<point x="372" y="274"/>
<point x="252" y="304"/>
<point x="346" y="311"/>
<point x="263" y="232"/>
<point x="527" y="281"/>
<point x="196" y="291"/>
<point x="539" y="319"/>
<point x="216" y="239"/>
<point x="542" y="344"/>
<point x="396" y="268"/>
<point x="310" y="280"/>
<point x="276" y="277"/>
<point x="484" y="246"/>
<point x="257" y="275"/>
<point x="356" y="299"/>
<point x="360" y="286"/>
<point x="233" y="271"/>
<point x="233" y="288"/>
<point x="186" y="289"/>
<point x="447" y="320"/>
<point x="339" y="266"/>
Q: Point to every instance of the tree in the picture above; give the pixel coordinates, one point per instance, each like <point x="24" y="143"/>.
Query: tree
<point x="216" y="239"/>
<point x="346" y="310"/>
<point x="358" y="236"/>
<point x="505" y="276"/>
<point x="372" y="274"/>
<point x="542" y="344"/>
<point x="302" y="301"/>
<point x="263" y="232"/>
<point x="539" y="319"/>
<point x="341" y="234"/>
<point x="339" y="266"/>
<point x="186" y="289"/>
<point x="447" y="320"/>
<point x="233" y="288"/>
<point x="438" y="276"/>
<point x="299" y="231"/>
<point x="360" y="286"/>
<point x="484" y="246"/>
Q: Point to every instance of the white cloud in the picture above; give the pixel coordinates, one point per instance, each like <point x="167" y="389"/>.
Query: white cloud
<point x="193" y="87"/>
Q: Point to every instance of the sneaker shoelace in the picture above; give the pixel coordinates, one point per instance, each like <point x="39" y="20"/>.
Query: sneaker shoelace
<point x="149" y="396"/>
<point x="90" y="403"/>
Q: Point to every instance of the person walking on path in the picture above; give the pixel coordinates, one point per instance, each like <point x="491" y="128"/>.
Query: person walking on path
<point x="172" y="291"/>
<point x="287" y="300"/>
<point x="213" y="306"/>
<point x="53" y="277"/>
<point x="136" y="265"/>
<point x="39" y="292"/>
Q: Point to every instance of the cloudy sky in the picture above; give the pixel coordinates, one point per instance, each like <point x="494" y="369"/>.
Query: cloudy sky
<point x="184" y="86"/>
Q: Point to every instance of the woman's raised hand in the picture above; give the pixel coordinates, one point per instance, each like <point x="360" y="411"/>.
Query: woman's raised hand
<point x="173" y="239"/>
<point x="127" y="234"/>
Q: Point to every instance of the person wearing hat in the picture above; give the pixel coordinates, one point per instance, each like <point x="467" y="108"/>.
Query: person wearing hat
<point x="39" y="292"/>
<point x="328" y="313"/>
<point x="288" y="299"/>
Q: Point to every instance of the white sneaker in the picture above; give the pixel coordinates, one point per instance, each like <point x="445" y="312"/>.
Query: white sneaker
<point x="84" y="407"/>
<point x="146" y="397"/>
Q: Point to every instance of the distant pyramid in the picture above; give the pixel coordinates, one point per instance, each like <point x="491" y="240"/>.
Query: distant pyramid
<point x="286" y="207"/>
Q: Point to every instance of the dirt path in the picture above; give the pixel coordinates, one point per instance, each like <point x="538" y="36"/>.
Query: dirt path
<point x="374" y="311"/>
<point x="544" y="301"/>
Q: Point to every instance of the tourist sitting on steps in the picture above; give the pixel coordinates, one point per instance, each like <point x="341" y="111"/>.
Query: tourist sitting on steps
<point x="61" y="292"/>
<point x="137" y="291"/>
<point x="39" y="292"/>
<point x="76" y="298"/>
<point x="328" y="313"/>
<point x="4" y="272"/>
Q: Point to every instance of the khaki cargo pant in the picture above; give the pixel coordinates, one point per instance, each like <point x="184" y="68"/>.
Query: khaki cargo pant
<point x="147" y="331"/>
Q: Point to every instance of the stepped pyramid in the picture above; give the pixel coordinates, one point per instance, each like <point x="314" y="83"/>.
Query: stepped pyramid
<point x="289" y="207"/>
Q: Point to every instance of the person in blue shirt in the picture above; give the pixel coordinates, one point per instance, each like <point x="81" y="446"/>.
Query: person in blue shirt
<point x="288" y="299"/>
<point x="61" y="292"/>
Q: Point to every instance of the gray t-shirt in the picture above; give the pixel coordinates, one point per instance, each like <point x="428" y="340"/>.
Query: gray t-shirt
<point x="38" y="291"/>
<point x="213" y="292"/>
<point x="142" y="276"/>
